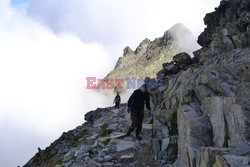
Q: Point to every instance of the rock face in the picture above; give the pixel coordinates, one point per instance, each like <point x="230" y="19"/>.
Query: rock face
<point x="209" y="95"/>
<point x="227" y="28"/>
<point x="201" y="107"/>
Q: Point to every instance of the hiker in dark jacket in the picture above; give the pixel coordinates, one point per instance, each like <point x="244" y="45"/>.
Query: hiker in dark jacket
<point x="136" y="108"/>
<point x="117" y="101"/>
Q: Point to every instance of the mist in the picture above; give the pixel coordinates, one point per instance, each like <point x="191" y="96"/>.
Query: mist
<point x="49" y="47"/>
<point x="43" y="89"/>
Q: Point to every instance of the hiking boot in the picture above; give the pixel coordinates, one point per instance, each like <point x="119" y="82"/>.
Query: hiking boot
<point x="138" y="137"/>
<point x="129" y="132"/>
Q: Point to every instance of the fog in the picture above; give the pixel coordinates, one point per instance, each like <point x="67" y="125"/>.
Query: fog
<point x="49" y="47"/>
<point x="43" y="85"/>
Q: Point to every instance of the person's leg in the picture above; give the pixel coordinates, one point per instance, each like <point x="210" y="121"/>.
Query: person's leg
<point x="117" y="104"/>
<point x="139" y="122"/>
<point x="134" y="119"/>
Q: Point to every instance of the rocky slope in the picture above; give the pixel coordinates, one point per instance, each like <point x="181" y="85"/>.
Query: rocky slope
<point x="201" y="109"/>
<point x="99" y="142"/>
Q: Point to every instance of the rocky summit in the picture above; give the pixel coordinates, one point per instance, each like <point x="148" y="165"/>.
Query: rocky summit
<point x="201" y="107"/>
<point x="148" y="57"/>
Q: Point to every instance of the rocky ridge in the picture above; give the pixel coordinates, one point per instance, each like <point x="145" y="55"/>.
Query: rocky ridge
<point x="148" y="57"/>
<point x="201" y="108"/>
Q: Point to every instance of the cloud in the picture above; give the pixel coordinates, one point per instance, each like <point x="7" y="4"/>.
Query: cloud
<point x="116" y="21"/>
<point x="42" y="84"/>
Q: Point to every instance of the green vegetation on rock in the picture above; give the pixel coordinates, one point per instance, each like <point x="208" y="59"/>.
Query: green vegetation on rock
<point x="106" y="142"/>
<point x="105" y="130"/>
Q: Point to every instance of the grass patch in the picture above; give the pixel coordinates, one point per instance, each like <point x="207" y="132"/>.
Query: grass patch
<point x="105" y="130"/>
<point x="56" y="160"/>
<point x="106" y="142"/>
<point x="45" y="156"/>
<point x="85" y="132"/>
<point x="81" y="138"/>
<point x="79" y="141"/>
<point x="51" y="160"/>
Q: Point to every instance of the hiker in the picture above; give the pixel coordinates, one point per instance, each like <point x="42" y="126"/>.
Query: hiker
<point x="117" y="100"/>
<point x="136" y="108"/>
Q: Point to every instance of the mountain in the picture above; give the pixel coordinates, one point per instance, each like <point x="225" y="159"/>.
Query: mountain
<point x="201" y="107"/>
<point x="149" y="56"/>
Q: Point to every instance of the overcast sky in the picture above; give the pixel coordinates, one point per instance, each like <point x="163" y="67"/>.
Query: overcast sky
<point x="49" y="47"/>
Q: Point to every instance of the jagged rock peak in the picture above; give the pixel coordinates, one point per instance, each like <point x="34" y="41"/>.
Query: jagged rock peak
<point x="146" y="41"/>
<point x="127" y="51"/>
<point x="142" y="45"/>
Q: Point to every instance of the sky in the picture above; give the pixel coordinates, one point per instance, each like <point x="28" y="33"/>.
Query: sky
<point x="49" y="47"/>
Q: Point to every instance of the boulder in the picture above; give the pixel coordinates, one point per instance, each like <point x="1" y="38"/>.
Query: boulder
<point x="182" y="59"/>
<point x="107" y="158"/>
<point x="93" y="163"/>
<point x="124" y="145"/>
<point x="99" y="159"/>
<point x="171" y="68"/>
<point x="93" y="115"/>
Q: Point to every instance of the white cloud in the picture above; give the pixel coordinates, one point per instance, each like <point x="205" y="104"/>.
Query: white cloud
<point x="42" y="84"/>
<point x="48" y="47"/>
<point x="113" y="21"/>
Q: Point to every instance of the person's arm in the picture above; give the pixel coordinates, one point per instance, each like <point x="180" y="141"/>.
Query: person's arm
<point x="131" y="99"/>
<point x="148" y="101"/>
